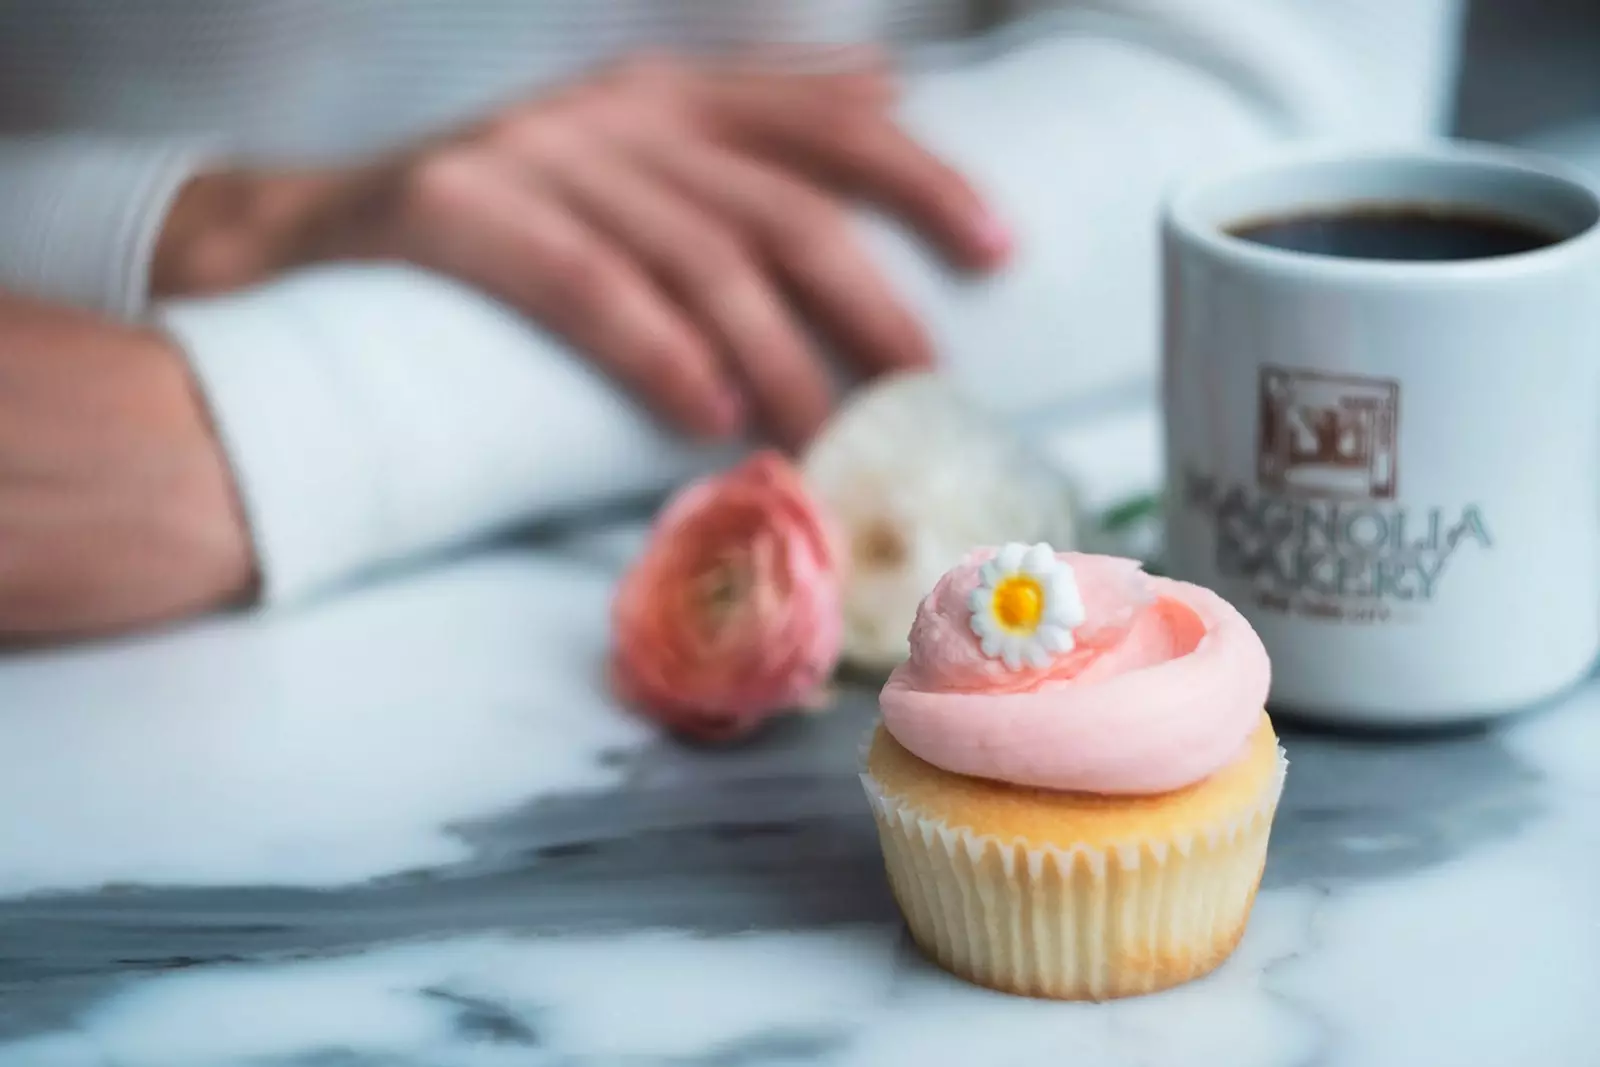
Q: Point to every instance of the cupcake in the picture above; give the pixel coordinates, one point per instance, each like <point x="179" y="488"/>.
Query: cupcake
<point x="1074" y="778"/>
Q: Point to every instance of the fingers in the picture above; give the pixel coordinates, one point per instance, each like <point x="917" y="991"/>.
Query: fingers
<point x="827" y="113"/>
<point x="856" y="145"/>
<point x="528" y="251"/>
<point x="701" y="262"/>
<point x="658" y="215"/>
<point x="869" y="155"/>
<point x="809" y="239"/>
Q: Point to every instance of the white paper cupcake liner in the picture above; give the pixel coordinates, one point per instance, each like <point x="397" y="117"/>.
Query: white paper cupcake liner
<point x="1079" y="923"/>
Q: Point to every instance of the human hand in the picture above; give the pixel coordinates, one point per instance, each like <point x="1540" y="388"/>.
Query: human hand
<point x="117" y="507"/>
<point x="668" y="219"/>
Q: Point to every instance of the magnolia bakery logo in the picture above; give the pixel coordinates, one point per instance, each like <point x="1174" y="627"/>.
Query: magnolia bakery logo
<point x="1320" y="533"/>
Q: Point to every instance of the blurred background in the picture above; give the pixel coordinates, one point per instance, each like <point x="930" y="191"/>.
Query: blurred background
<point x="1530" y="74"/>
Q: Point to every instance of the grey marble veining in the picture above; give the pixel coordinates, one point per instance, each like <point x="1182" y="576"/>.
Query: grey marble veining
<point x="408" y="827"/>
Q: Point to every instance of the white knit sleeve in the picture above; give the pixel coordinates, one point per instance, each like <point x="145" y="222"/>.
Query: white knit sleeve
<point x="377" y="413"/>
<point x="80" y="215"/>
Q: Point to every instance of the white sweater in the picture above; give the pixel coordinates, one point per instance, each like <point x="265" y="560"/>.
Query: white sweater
<point x="375" y="413"/>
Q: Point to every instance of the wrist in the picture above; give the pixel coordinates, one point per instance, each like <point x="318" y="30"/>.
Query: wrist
<point x="118" y="507"/>
<point x="230" y="229"/>
<point x="195" y="494"/>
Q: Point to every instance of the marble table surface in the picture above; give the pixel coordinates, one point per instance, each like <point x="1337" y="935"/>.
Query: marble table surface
<point x="408" y="827"/>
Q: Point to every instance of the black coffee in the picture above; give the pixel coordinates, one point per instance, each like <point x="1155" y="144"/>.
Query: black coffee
<point x="1402" y="232"/>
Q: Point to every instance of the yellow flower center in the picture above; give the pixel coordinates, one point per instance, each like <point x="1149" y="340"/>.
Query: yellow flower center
<point x="1018" y="603"/>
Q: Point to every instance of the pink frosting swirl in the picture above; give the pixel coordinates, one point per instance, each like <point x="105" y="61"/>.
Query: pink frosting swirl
<point x="1163" y="688"/>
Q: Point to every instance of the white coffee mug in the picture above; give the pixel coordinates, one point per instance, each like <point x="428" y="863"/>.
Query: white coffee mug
<point x="1391" y="467"/>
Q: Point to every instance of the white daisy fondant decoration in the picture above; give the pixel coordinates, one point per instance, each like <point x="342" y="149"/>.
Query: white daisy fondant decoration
<point x="1026" y="606"/>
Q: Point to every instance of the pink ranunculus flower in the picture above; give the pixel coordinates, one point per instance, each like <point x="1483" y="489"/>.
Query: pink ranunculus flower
<point x="732" y="612"/>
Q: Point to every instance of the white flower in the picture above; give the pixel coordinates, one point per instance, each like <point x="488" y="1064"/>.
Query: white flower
<point x="916" y="477"/>
<point x="1026" y="606"/>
